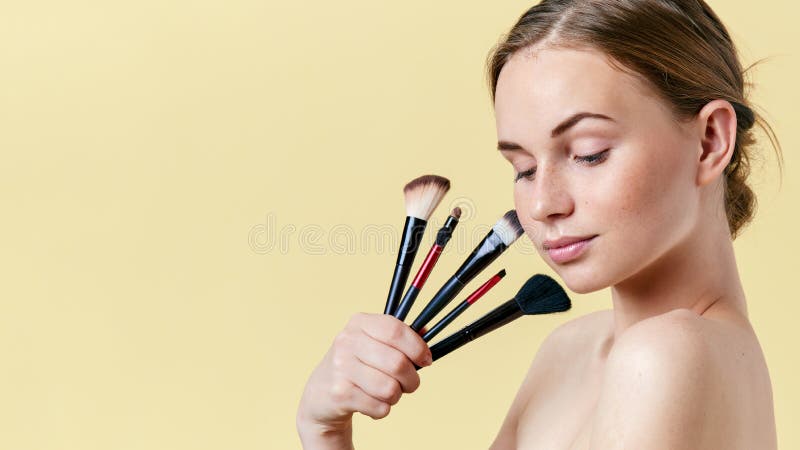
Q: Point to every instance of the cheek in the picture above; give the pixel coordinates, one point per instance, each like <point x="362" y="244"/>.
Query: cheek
<point x="647" y="198"/>
<point x="625" y="204"/>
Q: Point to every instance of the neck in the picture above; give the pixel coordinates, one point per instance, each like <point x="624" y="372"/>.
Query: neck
<point x="699" y="274"/>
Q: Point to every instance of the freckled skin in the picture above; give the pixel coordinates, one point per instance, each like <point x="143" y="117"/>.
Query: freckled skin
<point x="655" y="203"/>
<point x="639" y="199"/>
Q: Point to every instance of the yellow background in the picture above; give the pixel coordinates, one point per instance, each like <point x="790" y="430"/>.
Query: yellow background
<point x="149" y="149"/>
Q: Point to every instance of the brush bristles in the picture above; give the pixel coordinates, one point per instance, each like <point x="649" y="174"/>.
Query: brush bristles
<point x="542" y="295"/>
<point x="456" y="212"/>
<point x="424" y="194"/>
<point x="508" y="227"/>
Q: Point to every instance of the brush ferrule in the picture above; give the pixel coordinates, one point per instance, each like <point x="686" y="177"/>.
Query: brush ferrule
<point x="487" y="251"/>
<point x="450" y="223"/>
<point x="443" y="236"/>
<point x="495" y="319"/>
<point x="446" y="232"/>
<point x="413" y="230"/>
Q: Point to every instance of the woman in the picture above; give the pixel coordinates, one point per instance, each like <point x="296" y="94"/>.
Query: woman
<point x="628" y="128"/>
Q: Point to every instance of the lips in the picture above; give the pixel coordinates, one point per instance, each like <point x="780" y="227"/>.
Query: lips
<point x="564" y="241"/>
<point x="567" y="248"/>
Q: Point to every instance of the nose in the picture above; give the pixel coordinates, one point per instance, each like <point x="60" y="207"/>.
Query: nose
<point x="550" y="195"/>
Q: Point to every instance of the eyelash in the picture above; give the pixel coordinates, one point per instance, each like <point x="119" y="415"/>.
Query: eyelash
<point x="592" y="160"/>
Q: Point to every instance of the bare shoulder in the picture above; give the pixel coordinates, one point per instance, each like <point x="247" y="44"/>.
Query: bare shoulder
<point x="585" y="324"/>
<point x="589" y="329"/>
<point x="558" y="352"/>
<point x="684" y="381"/>
<point x="679" y="336"/>
<point x="686" y="341"/>
<point x="570" y="344"/>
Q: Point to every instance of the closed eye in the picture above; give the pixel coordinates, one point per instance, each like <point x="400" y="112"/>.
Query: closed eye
<point x="591" y="160"/>
<point x="595" y="158"/>
<point x="528" y="175"/>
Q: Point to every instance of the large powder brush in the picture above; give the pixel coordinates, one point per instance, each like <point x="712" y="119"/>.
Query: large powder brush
<point x="422" y="196"/>
<point x="539" y="295"/>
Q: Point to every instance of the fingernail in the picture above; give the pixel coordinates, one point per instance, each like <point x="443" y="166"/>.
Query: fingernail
<point x="428" y="359"/>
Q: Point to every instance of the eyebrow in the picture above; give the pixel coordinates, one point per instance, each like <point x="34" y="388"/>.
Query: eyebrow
<point x="560" y="129"/>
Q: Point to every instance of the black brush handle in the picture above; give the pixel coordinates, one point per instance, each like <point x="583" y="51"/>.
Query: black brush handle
<point x="490" y="247"/>
<point x="438" y="302"/>
<point x="493" y="320"/>
<point x="396" y="289"/>
<point x="413" y="230"/>
<point x="408" y="301"/>
<point x="442" y="238"/>
<point x="451" y="316"/>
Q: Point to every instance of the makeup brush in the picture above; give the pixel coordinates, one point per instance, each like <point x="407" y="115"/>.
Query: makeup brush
<point x="474" y="297"/>
<point x="422" y="196"/>
<point x="442" y="238"/>
<point x="539" y="295"/>
<point x="503" y="234"/>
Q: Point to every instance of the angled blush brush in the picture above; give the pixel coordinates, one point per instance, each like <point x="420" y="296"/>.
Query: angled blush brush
<point x="422" y="196"/>
<point x="539" y="295"/>
<point x="442" y="238"/>
<point x="503" y="234"/>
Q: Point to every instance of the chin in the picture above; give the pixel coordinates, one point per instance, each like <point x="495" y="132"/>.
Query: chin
<point x="582" y="287"/>
<point x="581" y="279"/>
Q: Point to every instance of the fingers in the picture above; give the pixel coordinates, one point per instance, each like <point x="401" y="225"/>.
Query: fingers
<point x="389" y="362"/>
<point x="393" y="332"/>
<point x="367" y="369"/>
<point x="352" y="398"/>
<point x="377" y="384"/>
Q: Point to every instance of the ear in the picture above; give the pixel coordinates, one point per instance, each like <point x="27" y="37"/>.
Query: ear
<point x="717" y="124"/>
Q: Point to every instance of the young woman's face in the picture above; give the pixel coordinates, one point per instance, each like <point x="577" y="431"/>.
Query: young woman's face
<point x="619" y="177"/>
